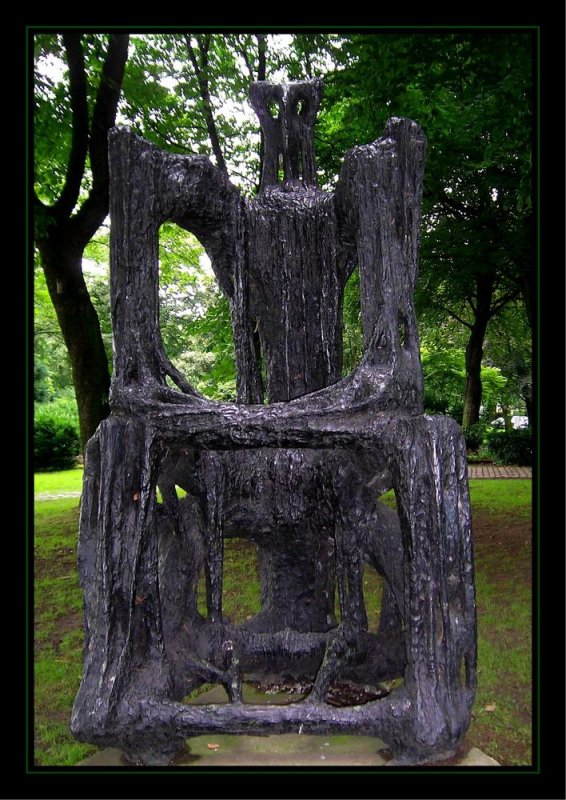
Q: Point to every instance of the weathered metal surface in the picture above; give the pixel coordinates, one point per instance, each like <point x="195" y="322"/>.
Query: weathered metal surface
<point x="299" y="475"/>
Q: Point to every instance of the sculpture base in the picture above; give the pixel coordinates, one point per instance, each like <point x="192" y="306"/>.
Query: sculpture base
<point x="282" y="750"/>
<point x="286" y="750"/>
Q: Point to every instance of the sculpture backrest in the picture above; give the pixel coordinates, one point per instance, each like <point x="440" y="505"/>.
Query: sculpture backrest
<point x="287" y="112"/>
<point x="289" y="250"/>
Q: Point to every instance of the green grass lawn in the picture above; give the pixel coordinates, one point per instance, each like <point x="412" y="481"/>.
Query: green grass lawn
<point x="502" y="496"/>
<point x="501" y="724"/>
<point x="69" y="480"/>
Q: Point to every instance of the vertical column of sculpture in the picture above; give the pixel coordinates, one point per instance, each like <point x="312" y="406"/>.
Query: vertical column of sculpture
<point x="297" y="270"/>
<point x="428" y="461"/>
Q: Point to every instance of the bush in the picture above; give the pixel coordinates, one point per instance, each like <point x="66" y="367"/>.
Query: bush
<point x="511" y="447"/>
<point x="56" y="442"/>
<point x="475" y="435"/>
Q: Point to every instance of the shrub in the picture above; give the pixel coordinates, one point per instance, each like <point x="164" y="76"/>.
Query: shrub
<point x="456" y="411"/>
<point x="56" y="442"/>
<point x="511" y="447"/>
<point x="475" y="435"/>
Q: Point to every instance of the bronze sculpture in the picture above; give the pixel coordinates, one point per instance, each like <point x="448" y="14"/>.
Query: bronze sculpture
<point x="300" y="475"/>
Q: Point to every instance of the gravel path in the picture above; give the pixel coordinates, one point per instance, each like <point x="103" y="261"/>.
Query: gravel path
<point x="39" y="496"/>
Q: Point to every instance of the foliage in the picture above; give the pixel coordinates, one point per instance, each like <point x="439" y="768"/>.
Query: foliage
<point x="352" y="336"/>
<point x="56" y="444"/>
<point x="508" y="347"/>
<point x="56" y="435"/>
<point x="475" y="435"/>
<point x="480" y="456"/>
<point x="464" y="89"/>
<point x="471" y="92"/>
<point x="194" y="315"/>
<point x="40" y="382"/>
<point x="163" y="97"/>
<point x="52" y="367"/>
<point x="511" y="446"/>
<point x="444" y="374"/>
<point x="444" y="378"/>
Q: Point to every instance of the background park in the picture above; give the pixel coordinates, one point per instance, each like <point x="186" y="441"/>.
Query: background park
<point x="472" y="93"/>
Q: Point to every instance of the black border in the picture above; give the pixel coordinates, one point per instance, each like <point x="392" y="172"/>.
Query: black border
<point x="548" y="780"/>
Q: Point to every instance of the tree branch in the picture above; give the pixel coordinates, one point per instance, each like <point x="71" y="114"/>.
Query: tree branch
<point x="507" y="298"/>
<point x="192" y="55"/>
<point x="242" y="51"/>
<point x="200" y="72"/>
<point x="105" y="107"/>
<point x="79" y="131"/>
<point x="456" y="317"/>
<point x="90" y="216"/>
<point x="261" y="75"/>
<point x="444" y="199"/>
<point x="261" y="56"/>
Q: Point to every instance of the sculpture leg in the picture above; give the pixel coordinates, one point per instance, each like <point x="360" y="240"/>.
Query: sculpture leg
<point x="293" y="527"/>
<point x="428" y="464"/>
<point x="296" y="568"/>
<point x="214" y="477"/>
<point x="125" y="655"/>
<point x="181" y="558"/>
<point x="349" y="571"/>
<point x="390" y="620"/>
<point x="383" y="549"/>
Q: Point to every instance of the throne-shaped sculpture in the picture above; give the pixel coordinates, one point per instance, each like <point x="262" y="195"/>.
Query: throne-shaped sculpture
<point x="297" y="466"/>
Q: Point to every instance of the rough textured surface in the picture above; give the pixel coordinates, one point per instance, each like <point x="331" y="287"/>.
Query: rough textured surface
<point x="300" y="474"/>
<point x="280" y="750"/>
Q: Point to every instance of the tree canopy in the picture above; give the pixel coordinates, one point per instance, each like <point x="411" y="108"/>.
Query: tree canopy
<point x="471" y="91"/>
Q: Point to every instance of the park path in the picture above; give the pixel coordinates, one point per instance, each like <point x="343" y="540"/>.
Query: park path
<point x="474" y="471"/>
<point x="39" y="496"/>
<point x="491" y="471"/>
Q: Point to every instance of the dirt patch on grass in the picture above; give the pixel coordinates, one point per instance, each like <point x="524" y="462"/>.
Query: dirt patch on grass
<point x="61" y="565"/>
<point x="503" y="555"/>
<point x="504" y="547"/>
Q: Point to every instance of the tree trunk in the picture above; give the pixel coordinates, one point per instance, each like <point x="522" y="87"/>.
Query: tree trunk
<point x="527" y="395"/>
<point x="474" y="355"/>
<point x="474" y="349"/>
<point x="261" y="76"/>
<point x="81" y="330"/>
<point x="62" y="236"/>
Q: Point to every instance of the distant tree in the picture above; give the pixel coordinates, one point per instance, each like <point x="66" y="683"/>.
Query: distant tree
<point x="472" y="94"/>
<point x="508" y="347"/>
<point x="72" y="119"/>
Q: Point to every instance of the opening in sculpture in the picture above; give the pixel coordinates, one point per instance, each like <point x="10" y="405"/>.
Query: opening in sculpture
<point x="296" y="466"/>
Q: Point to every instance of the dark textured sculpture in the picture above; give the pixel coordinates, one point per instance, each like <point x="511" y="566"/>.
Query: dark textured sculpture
<point x="300" y="475"/>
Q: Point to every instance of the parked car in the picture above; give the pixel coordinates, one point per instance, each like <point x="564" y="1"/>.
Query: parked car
<point x="516" y="421"/>
<point x="519" y="422"/>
